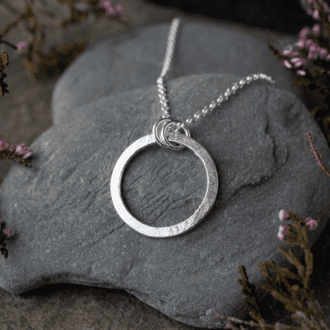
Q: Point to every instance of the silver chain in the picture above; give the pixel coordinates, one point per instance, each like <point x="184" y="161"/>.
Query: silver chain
<point x="209" y="108"/>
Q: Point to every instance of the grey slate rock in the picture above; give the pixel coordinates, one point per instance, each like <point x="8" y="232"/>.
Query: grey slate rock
<point x="135" y="59"/>
<point x="66" y="229"/>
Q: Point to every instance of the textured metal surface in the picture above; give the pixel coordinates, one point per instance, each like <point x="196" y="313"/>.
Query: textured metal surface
<point x="184" y="226"/>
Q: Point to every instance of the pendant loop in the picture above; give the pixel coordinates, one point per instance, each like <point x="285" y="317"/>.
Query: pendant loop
<point x="166" y="126"/>
<point x="170" y="127"/>
<point x="184" y="226"/>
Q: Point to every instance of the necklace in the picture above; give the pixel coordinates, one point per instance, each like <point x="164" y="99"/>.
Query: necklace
<point x="164" y="132"/>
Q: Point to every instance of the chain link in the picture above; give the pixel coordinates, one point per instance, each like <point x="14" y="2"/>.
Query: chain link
<point x="162" y="92"/>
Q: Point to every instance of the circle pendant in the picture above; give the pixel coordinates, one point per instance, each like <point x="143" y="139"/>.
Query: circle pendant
<point x="184" y="226"/>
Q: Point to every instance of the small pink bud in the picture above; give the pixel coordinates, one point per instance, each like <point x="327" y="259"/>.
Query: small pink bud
<point x="111" y="10"/>
<point x="282" y="232"/>
<point x="300" y="63"/>
<point x="287" y="64"/>
<point x="316" y="29"/>
<point x="309" y="42"/>
<point x="301" y="72"/>
<point x="12" y="148"/>
<point x="106" y="4"/>
<point x="316" y="14"/>
<point x="120" y="9"/>
<point x="326" y="8"/>
<point x="283" y="215"/>
<point x="27" y="155"/>
<point x="301" y="43"/>
<point x="295" y="59"/>
<point x="303" y="33"/>
<point x="9" y="231"/>
<point x="311" y="223"/>
<point x="286" y="52"/>
<point x="21" y="45"/>
<point x="323" y="52"/>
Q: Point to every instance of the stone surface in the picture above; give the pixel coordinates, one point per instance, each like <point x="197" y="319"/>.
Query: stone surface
<point x="135" y="59"/>
<point x="67" y="230"/>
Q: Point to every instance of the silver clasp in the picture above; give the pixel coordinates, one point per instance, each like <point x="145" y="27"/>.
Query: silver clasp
<point x="167" y="125"/>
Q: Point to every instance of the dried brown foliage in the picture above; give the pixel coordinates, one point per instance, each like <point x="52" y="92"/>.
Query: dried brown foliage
<point x="36" y="62"/>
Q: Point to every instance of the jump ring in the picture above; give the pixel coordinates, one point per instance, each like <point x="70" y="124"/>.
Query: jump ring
<point x="170" y="126"/>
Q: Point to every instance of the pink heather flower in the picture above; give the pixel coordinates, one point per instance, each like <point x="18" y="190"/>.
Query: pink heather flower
<point x="301" y="43"/>
<point x="316" y="29"/>
<point x="283" y="215"/>
<point x="21" y="45"/>
<point x="21" y="149"/>
<point x="300" y="63"/>
<point x="3" y="145"/>
<point x="326" y="8"/>
<point x="323" y="52"/>
<point x="287" y="64"/>
<point x="316" y="14"/>
<point x="328" y="57"/>
<point x="301" y="72"/>
<point x="12" y="148"/>
<point x="106" y="4"/>
<point x="282" y="232"/>
<point x="310" y="11"/>
<point x="311" y="223"/>
<point x="9" y="231"/>
<point x="313" y="48"/>
<point x="27" y="155"/>
<point x="303" y="33"/>
<point x="309" y="42"/>
<point x="111" y="11"/>
<point x="120" y="9"/>
<point x="295" y="59"/>
<point x="290" y="53"/>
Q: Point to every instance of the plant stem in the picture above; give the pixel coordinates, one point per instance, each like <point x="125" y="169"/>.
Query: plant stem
<point x="8" y="44"/>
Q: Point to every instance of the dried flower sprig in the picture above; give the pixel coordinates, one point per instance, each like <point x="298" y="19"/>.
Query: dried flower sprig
<point x="48" y="64"/>
<point x="309" y="62"/>
<point x="293" y="297"/>
<point x="17" y="153"/>
<point x="34" y="60"/>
